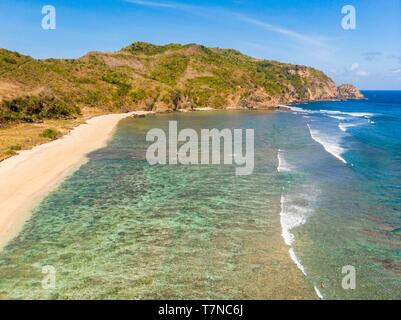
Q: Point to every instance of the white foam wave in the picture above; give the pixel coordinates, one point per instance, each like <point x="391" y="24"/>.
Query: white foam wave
<point x="352" y="114"/>
<point x="331" y="111"/>
<point x="338" y="118"/>
<point x="296" y="260"/>
<point x="340" y="115"/>
<point x="297" y="109"/>
<point x="283" y="165"/>
<point x="329" y="144"/>
<point x="291" y="217"/>
<point x="360" y="114"/>
<point x="344" y="126"/>
<point x="319" y="294"/>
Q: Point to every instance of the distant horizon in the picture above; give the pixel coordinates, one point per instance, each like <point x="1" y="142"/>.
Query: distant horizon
<point x="395" y="90"/>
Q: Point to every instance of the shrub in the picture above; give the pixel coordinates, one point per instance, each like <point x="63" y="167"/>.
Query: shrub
<point x="151" y="49"/>
<point x="137" y="95"/>
<point x="13" y="150"/>
<point x="36" y="108"/>
<point x="50" y="134"/>
<point x="169" y="69"/>
<point x="115" y="78"/>
<point x="9" y="60"/>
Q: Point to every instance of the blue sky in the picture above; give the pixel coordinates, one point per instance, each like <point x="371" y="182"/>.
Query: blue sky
<point x="301" y="32"/>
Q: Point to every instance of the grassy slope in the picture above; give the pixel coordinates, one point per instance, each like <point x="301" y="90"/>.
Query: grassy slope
<point x="139" y="77"/>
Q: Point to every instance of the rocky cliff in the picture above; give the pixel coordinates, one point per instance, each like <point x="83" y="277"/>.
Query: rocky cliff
<point x="348" y="91"/>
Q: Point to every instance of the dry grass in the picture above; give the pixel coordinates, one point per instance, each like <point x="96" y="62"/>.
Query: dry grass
<point x="27" y="135"/>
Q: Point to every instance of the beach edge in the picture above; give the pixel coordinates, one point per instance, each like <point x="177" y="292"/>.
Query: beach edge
<point x="26" y="178"/>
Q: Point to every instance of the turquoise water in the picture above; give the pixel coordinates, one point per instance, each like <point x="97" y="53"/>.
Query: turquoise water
<point x="326" y="185"/>
<point x="119" y="228"/>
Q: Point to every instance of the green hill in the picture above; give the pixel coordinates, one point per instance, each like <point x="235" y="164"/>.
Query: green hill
<point x="143" y="76"/>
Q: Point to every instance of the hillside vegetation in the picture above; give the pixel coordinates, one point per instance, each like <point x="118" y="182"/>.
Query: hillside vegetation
<point x="41" y="100"/>
<point x="143" y="76"/>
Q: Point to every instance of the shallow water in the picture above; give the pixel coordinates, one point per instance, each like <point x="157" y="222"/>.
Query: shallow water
<point x="320" y="198"/>
<point x="119" y="228"/>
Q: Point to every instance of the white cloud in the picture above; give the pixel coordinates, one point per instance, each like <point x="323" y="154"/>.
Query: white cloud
<point x="351" y="73"/>
<point x="280" y="30"/>
<point x="357" y="70"/>
<point x="154" y="4"/>
<point x="354" y="66"/>
<point x="299" y="37"/>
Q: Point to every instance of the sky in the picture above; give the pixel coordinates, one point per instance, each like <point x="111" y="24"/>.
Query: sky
<point x="301" y="32"/>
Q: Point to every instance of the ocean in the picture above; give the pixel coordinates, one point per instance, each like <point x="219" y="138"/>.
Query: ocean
<point x="325" y="194"/>
<point x="351" y="215"/>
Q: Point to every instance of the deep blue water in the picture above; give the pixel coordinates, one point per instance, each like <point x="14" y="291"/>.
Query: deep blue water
<point x="353" y="213"/>
<point x="366" y="134"/>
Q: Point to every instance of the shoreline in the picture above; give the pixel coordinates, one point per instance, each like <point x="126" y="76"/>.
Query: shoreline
<point x="54" y="161"/>
<point x="26" y="178"/>
<point x="278" y="107"/>
<point x="20" y="192"/>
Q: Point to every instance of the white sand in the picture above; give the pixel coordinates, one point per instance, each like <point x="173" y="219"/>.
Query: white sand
<point x="27" y="177"/>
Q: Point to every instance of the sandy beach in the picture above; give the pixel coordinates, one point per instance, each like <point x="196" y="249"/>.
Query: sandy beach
<point x="27" y="177"/>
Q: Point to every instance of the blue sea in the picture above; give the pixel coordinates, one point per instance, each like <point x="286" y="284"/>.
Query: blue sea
<point x="349" y="212"/>
<point x="325" y="195"/>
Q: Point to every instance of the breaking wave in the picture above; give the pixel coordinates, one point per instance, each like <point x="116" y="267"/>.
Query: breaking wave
<point x="339" y="118"/>
<point x="296" y="260"/>
<point x="352" y="114"/>
<point x="340" y="115"/>
<point x="344" y="126"/>
<point x="283" y="165"/>
<point x="291" y="217"/>
<point x="330" y="144"/>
